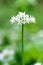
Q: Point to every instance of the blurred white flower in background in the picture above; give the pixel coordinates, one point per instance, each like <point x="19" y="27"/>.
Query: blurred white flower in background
<point x="38" y="63"/>
<point x="6" y="52"/>
<point x="38" y="36"/>
<point x="32" y="2"/>
<point x="40" y="33"/>
<point x="1" y="56"/>
<point x="6" y="63"/>
<point x="22" y="18"/>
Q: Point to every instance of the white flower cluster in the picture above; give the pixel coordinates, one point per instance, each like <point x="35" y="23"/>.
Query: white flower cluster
<point x="22" y="18"/>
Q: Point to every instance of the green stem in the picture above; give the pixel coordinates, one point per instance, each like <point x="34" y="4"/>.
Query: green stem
<point x="22" y="44"/>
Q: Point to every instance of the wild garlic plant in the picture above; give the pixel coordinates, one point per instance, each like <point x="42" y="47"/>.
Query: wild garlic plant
<point x="21" y="19"/>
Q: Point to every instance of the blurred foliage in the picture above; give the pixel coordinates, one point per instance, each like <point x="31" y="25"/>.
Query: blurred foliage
<point x="10" y="35"/>
<point x="31" y="62"/>
<point x="0" y="63"/>
<point x="6" y="41"/>
<point x="18" y="58"/>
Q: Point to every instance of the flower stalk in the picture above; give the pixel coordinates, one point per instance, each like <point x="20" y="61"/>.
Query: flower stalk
<point x="22" y="43"/>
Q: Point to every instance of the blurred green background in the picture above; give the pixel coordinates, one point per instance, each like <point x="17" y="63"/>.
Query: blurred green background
<point x="10" y="34"/>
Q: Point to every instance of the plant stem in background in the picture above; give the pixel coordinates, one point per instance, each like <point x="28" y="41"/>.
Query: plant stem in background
<point x="22" y="43"/>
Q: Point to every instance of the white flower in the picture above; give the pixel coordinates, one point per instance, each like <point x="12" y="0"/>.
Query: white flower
<point x="22" y="18"/>
<point x="12" y="20"/>
<point x="32" y="19"/>
<point x="37" y="63"/>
